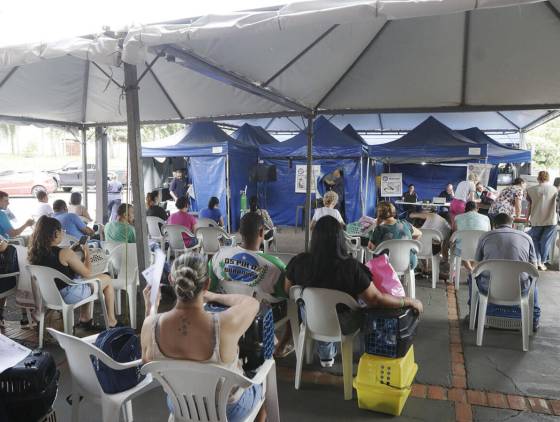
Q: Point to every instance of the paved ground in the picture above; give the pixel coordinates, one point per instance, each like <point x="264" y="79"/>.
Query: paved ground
<point x="456" y="381"/>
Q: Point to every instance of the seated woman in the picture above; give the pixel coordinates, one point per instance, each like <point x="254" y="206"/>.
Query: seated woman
<point x="44" y="250"/>
<point x="152" y="206"/>
<point x="77" y="208"/>
<point x="213" y="212"/>
<point x="188" y="332"/>
<point x="268" y="224"/>
<point x="183" y="218"/>
<point x="329" y="201"/>
<point x="327" y="265"/>
<point x="122" y="229"/>
<point x="389" y="228"/>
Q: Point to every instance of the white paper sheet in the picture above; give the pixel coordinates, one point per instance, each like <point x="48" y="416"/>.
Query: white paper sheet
<point x="153" y="274"/>
<point x="11" y="353"/>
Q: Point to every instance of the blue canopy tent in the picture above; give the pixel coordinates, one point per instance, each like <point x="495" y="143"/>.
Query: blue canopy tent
<point x="253" y="135"/>
<point x="497" y="153"/>
<point x="217" y="163"/>
<point x="415" y="156"/>
<point x="332" y="149"/>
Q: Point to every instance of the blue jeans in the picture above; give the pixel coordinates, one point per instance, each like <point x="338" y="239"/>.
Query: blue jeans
<point x="542" y="236"/>
<point x="75" y="292"/>
<point x="482" y="283"/>
<point x="112" y="207"/>
<point x="238" y="410"/>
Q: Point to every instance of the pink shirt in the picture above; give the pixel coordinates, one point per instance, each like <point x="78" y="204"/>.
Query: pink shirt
<point x="184" y="219"/>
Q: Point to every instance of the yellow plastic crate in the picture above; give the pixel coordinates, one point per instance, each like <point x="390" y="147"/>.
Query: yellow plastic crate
<point x="380" y="370"/>
<point x="381" y="398"/>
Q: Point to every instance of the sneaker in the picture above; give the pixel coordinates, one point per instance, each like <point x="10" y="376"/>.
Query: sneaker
<point x="327" y="363"/>
<point x="542" y="267"/>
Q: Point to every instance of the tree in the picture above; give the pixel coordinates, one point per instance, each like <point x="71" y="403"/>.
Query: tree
<point x="8" y="131"/>
<point x="545" y="142"/>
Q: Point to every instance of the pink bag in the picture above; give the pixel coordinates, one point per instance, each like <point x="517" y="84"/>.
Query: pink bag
<point x="384" y="276"/>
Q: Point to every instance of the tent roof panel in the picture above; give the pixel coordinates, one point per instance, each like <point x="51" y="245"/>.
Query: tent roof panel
<point x="253" y="135"/>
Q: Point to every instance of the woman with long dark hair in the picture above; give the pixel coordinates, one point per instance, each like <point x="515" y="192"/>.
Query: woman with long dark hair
<point x="213" y="211"/>
<point x="329" y="266"/>
<point x="152" y="206"/>
<point x="44" y="250"/>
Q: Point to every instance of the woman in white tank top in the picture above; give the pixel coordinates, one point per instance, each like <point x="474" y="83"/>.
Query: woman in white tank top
<point x="188" y="332"/>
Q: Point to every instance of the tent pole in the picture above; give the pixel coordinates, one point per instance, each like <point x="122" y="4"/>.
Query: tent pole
<point x="134" y="147"/>
<point x="362" y="183"/>
<point x="84" y="167"/>
<point x="308" y="181"/>
<point x="367" y="185"/>
<point x="228" y="196"/>
<point x="101" y="175"/>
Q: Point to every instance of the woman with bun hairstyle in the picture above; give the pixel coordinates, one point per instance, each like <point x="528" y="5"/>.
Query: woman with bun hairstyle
<point x="188" y="332"/>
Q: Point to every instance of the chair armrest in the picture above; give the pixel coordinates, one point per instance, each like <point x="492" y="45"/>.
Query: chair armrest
<point x="90" y="339"/>
<point x="118" y="366"/>
<point x="9" y="275"/>
<point x="262" y="372"/>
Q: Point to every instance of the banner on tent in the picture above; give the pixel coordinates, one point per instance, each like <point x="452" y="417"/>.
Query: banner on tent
<point x="391" y="184"/>
<point x="481" y="170"/>
<point x="301" y="178"/>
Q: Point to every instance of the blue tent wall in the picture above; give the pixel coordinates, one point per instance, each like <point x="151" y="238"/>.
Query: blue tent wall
<point x="332" y="149"/>
<point x="209" y="179"/>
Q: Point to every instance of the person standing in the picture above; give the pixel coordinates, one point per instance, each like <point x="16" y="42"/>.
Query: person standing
<point x="465" y="192"/>
<point x="114" y="189"/>
<point x="179" y="185"/>
<point x="542" y="216"/>
<point x="509" y="200"/>
<point x="335" y="182"/>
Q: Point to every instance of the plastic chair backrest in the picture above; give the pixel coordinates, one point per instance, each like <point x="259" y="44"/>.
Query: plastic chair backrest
<point x="428" y="237"/>
<point x="198" y="391"/>
<point x="210" y="238"/>
<point x="468" y="242"/>
<point x="154" y="227"/>
<point x="399" y="252"/>
<point x="504" y="285"/>
<point x="45" y="277"/>
<point x="320" y="310"/>
<point x="124" y="260"/>
<point x="78" y="354"/>
<point x="174" y="235"/>
<point x="206" y="222"/>
<point x="25" y="295"/>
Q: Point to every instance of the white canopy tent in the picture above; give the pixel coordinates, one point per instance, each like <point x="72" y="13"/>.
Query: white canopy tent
<point x="325" y="56"/>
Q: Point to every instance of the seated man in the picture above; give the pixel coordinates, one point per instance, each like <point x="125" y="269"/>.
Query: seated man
<point x="6" y="229"/>
<point x="122" y="229"/>
<point x="246" y="264"/>
<point x="43" y="207"/>
<point x="434" y="221"/>
<point x="504" y="242"/>
<point x="71" y="223"/>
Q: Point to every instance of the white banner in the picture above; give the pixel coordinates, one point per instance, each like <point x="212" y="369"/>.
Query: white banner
<point x="391" y="185"/>
<point x="481" y="170"/>
<point x="301" y="178"/>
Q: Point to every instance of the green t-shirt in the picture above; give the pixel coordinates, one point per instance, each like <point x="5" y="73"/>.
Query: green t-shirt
<point x="249" y="267"/>
<point x="115" y="231"/>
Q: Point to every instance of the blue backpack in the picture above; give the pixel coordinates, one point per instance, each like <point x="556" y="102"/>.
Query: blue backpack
<point x="123" y="345"/>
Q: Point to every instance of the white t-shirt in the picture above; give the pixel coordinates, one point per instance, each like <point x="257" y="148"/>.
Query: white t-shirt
<point x="44" y="208"/>
<point x="321" y="212"/>
<point x="464" y="189"/>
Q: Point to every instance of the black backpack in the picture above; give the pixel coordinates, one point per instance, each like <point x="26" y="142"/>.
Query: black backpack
<point x="123" y="345"/>
<point x="8" y="264"/>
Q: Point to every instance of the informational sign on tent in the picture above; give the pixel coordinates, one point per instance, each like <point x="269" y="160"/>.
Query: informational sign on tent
<point x="481" y="170"/>
<point x="301" y="178"/>
<point x="391" y="184"/>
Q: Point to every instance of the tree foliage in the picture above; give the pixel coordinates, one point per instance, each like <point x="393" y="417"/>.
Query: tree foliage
<point x="148" y="133"/>
<point x="545" y="142"/>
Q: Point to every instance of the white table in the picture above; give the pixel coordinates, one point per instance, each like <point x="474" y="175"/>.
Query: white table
<point x="423" y="204"/>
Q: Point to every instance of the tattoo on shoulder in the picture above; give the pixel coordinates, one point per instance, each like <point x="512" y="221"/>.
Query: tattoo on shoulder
<point x="184" y="326"/>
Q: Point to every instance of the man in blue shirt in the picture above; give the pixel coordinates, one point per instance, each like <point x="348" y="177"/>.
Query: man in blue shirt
<point x="6" y="228"/>
<point x="71" y="223"/>
<point x="179" y="185"/>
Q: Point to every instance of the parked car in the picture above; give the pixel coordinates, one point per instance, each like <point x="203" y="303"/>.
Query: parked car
<point x="70" y="175"/>
<point x="26" y="182"/>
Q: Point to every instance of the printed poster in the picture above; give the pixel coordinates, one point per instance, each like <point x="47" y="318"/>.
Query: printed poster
<point x="391" y="185"/>
<point x="301" y="178"/>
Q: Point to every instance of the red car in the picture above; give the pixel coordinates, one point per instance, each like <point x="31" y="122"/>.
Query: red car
<point x="26" y="183"/>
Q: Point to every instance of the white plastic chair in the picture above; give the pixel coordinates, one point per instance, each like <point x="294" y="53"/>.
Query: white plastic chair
<point x="155" y="225"/>
<point x="86" y="384"/>
<point x="174" y="235"/>
<point x="353" y="243"/>
<point x="206" y="222"/>
<point x="399" y="258"/>
<point x="124" y="262"/>
<point x="272" y="241"/>
<point x="467" y="244"/>
<point x="428" y="237"/>
<point x="209" y="238"/>
<point x="504" y="288"/>
<point x="199" y="391"/>
<point x="44" y="279"/>
<point x="321" y="323"/>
